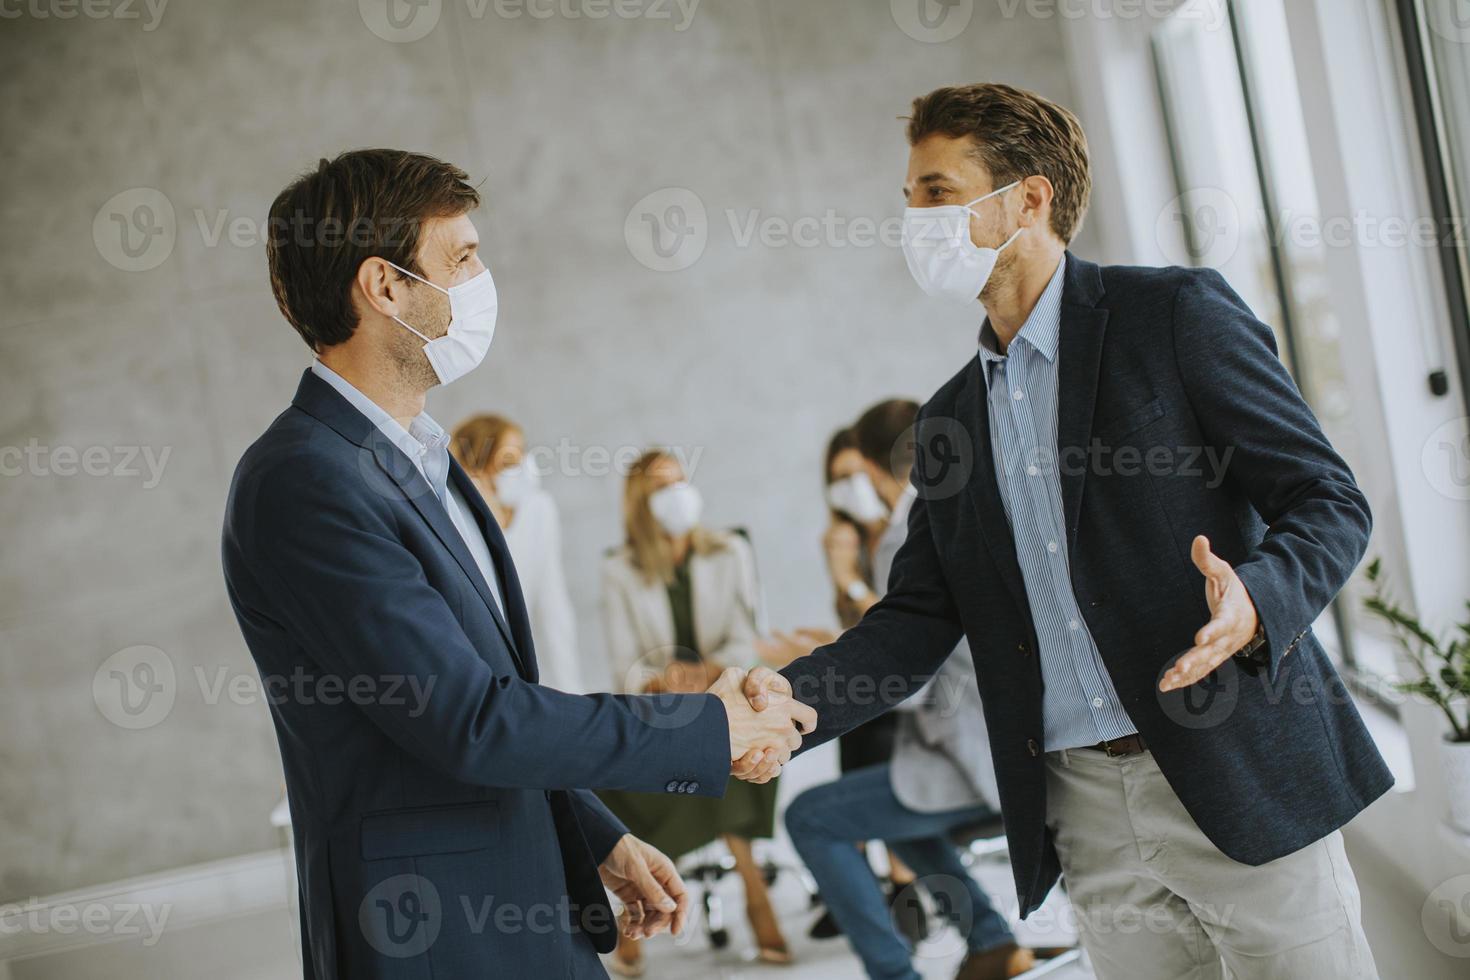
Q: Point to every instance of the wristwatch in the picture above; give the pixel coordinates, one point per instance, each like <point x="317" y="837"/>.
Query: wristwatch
<point x="1256" y="649"/>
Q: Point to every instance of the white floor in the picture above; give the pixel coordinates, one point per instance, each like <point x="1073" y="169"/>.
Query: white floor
<point x="692" y="956"/>
<point x="261" y="947"/>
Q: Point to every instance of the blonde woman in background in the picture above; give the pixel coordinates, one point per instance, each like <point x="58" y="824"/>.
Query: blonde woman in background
<point x="492" y="449"/>
<point x="679" y="605"/>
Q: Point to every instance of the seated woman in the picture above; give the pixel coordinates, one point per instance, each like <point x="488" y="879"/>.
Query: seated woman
<point x="492" y="449"/>
<point x="679" y="606"/>
<point x="940" y="777"/>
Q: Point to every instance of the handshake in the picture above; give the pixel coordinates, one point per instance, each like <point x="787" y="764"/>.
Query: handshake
<point x="766" y="721"/>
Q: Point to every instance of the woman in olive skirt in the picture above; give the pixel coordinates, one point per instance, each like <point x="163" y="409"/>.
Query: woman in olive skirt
<point x="679" y="606"/>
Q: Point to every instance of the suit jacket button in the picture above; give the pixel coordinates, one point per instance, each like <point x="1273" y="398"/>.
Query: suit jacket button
<point x="1032" y="747"/>
<point x="692" y="788"/>
<point x="673" y="786"/>
<point x="1023" y="649"/>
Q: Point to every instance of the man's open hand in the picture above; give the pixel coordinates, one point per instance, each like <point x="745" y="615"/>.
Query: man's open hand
<point x="1233" y="621"/>
<point x="644" y="880"/>
<point x="764" y="730"/>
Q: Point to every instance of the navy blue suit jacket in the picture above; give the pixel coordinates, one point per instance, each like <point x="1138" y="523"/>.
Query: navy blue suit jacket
<point x="438" y="793"/>
<point x="1175" y="418"/>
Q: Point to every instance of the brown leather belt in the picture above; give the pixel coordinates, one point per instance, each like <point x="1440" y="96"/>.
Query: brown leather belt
<point x="1127" y="745"/>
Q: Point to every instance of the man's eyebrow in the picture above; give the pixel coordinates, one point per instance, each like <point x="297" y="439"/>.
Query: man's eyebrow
<point x="929" y="178"/>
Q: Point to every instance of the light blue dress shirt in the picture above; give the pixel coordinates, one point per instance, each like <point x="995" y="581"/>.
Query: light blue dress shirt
<point x="426" y="444"/>
<point x="1079" y="705"/>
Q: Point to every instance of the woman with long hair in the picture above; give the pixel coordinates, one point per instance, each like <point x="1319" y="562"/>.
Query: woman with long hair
<point x="492" y="449"/>
<point x="679" y="605"/>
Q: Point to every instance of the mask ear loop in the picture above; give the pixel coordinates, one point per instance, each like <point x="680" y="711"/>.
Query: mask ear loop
<point x="426" y="283"/>
<point x="970" y="207"/>
<point x="418" y="277"/>
<point x="983" y="197"/>
<point x="412" y="330"/>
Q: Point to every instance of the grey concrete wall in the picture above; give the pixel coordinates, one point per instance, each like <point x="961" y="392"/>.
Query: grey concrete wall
<point x="141" y="350"/>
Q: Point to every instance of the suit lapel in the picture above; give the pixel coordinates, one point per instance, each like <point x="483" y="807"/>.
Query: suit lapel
<point x="983" y="491"/>
<point x="658" y="616"/>
<point x="505" y="570"/>
<point x="701" y="590"/>
<point x="1079" y="354"/>
<point x="416" y="490"/>
<point x="393" y="475"/>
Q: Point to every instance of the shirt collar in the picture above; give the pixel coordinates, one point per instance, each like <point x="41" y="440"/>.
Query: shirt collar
<point x="1042" y="329"/>
<point x="424" y="442"/>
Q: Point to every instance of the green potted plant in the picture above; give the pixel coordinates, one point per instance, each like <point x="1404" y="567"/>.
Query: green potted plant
<point x="1443" y="679"/>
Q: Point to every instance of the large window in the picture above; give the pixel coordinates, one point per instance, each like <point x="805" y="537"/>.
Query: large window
<point x="1249" y="207"/>
<point x="1437" y="40"/>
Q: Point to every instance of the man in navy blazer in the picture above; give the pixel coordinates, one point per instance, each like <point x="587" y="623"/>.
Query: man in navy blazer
<point x="439" y="795"/>
<point x="1128" y="509"/>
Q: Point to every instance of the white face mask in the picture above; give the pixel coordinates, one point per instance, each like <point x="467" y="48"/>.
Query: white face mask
<point x="473" y="308"/>
<point x="676" y="508"/>
<point x="514" y="484"/>
<point x="944" y="260"/>
<point x="856" y="497"/>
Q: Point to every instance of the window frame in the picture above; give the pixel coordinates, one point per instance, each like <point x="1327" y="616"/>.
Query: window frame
<point x="1434" y="152"/>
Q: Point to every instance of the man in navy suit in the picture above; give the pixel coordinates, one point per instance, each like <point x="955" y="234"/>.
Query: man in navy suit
<point x="439" y="795"/>
<point x="1128" y="509"/>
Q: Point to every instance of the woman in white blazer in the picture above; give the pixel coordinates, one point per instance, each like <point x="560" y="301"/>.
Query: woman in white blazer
<point x="679" y="605"/>
<point x="492" y="449"/>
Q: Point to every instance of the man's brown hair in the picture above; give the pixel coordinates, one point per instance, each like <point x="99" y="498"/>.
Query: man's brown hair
<point x="1017" y="134"/>
<point x="326" y="223"/>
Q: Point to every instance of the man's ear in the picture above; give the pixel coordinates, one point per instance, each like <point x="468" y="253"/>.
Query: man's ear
<point x="1037" y="194"/>
<point x="377" y="287"/>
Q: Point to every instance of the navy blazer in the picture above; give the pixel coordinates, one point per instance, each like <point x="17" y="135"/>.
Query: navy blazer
<point x="1175" y="418"/>
<point x="438" y="793"/>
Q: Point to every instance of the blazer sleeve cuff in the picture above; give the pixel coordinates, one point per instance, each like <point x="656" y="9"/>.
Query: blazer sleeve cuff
<point x="698" y="763"/>
<point x="1282" y="624"/>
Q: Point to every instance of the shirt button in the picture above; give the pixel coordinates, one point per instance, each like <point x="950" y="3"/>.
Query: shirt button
<point x="1071" y="624"/>
<point x="1097" y="702"/>
<point x="1051" y="546"/>
<point x="1032" y="747"/>
<point x="1019" y="395"/>
<point x="1032" y="471"/>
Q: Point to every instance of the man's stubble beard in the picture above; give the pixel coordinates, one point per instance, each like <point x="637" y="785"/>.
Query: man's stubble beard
<point x="1001" y="278"/>
<point x="411" y="365"/>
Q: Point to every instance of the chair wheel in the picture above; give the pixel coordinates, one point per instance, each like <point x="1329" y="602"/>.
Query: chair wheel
<point x="719" y="938"/>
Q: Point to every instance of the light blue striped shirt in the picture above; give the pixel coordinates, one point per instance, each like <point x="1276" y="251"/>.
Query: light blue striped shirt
<point x="1079" y="706"/>
<point x="426" y="445"/>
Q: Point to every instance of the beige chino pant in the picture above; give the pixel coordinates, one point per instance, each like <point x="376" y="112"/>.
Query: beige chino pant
<point x="1155" y="900"/>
